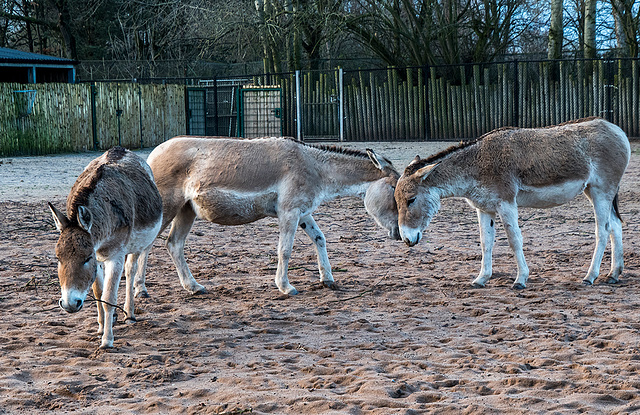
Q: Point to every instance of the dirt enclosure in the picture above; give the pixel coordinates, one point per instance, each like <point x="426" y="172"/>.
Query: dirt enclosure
<point x="404" y="334"/>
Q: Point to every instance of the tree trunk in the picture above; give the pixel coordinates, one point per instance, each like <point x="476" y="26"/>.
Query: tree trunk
<point x="266" y="50"/>
<point x="626" y="27"/>
<point x="556" y="32"/>
<point x="590" y="29"/>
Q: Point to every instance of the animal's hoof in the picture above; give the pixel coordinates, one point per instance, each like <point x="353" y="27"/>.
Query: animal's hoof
<point x="477" y="285"/>
<point x="518" y="286"/>
<point x="587" y="282"/>
<point x="198" y="290"/>
<point x="130" y="320"/>
<point x="290" y="291"/>
<point x="142" y="294"/>
<point x="330" y="285"/>
<point x="104" y="346"/>
<point x="612" y="280"/>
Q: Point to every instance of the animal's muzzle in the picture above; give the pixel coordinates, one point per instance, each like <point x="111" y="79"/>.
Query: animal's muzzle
<point x="410" y="236"/>
<point x="71" y="306"/>
<point x="395" y="233"/>
<point x="410" y="242"/>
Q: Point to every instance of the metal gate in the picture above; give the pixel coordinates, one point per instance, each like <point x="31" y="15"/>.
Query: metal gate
<point x="260" y="111"/>
<point x="196" y="111"/>
<point x="212" y="108"/>
<point x="320" y="105"/>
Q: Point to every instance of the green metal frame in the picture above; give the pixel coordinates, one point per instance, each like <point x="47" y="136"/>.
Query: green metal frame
<point x="188" y="108"/>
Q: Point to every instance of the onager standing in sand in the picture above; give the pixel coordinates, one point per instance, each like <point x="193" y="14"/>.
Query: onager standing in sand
<point x="114" y="210"/>
<point x="513" y="167"/>
<point x="234" y="182"/>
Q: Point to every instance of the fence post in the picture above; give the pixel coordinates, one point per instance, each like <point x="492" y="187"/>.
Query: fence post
<point x="516" y="94"/>
<point x="215" y="105"/>
<point x="298" y="107"/>
<point x="427" y="122"/>
<point x="118" y="114"/>
<point x="608" y="85"/>
<point x="240" y="106"/>
<point x="341" y="103"/>
<point x="94" y="117"/>
<point x="140" y="115"/>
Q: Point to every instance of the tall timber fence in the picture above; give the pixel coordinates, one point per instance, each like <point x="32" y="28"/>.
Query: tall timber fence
<point x="49" y="118"/>
<point x="459" y="101"/>
<point x="418" y="103"/>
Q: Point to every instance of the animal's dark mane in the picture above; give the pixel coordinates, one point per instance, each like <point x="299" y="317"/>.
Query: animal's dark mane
<point x="91" y="179"/>
<point x="339" y="150"/>
<point x="333" y="149"/>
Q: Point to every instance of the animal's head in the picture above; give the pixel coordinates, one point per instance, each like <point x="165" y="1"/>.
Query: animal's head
<point x="379" y="199"/>
<point x="417" y="202"/>
<point x="77" y="264"/>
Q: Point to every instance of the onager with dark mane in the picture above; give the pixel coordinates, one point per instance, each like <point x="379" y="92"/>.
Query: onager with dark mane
<point x="234" y="182"/>
<point x="512" y="167"/>
<point x="114" y="210"/>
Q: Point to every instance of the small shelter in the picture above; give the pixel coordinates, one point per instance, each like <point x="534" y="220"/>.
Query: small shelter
<point x="30" y="68"/>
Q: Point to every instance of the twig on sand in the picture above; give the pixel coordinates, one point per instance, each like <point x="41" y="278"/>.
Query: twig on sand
<point x="34" y="283"/>
<point x="92" y="298"/>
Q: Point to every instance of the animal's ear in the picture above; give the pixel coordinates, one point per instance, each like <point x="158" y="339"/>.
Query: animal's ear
<point x="59" y="218"/>
<point x="381" y="163"/>
<point x="85" y="220"/>
<point x="415" y="160"/>
<point x="424" y="172"/>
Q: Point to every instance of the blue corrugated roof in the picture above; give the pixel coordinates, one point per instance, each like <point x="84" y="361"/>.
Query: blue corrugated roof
<point x="18" y="56"/>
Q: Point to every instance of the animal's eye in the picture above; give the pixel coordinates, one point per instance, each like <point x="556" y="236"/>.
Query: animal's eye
<point x="410" y="201"/>
<point x="86" y="261"/>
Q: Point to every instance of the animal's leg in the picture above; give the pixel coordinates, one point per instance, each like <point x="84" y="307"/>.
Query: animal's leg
<point x="112" y="275"/>
<point x="617" y="258"/>
<point x="509" y="214"/>
<point x="97" y="294"/>
<point x="130" y="270"/>
<point x="487" y="227"/>
<point x="602" y="210"/>
<point x="310" y="227"/>
<point x="180" y="228"/>
<point x="139" y="289"/>
<point x="288" y="222"/>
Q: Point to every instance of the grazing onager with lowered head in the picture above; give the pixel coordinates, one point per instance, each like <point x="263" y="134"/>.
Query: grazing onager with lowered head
<point x="514" y="167"/>
<point x="234" y="182"/>
<point x="114" y="211"/>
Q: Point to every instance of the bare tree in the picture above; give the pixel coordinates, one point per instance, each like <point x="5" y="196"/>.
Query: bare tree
<point x="627" y="26"/>
<point x="556" y="30"/>
<point x="590" y="29"/>
<point x="406" y="32"/>
<point x="496" y="24"/>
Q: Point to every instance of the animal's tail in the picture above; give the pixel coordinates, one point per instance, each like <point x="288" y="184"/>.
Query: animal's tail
<point x="615" y="207"/>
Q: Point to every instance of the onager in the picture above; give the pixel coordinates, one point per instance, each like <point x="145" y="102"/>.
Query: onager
<point x="512" y="167"/>
<point x="234" y="182"/>
<point x="114" y="211"/>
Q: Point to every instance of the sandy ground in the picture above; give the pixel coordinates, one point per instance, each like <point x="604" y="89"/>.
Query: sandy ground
<point x="404" y="334"/>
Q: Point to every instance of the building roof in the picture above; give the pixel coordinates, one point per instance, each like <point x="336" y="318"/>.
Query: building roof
<point x="18" y="56"/>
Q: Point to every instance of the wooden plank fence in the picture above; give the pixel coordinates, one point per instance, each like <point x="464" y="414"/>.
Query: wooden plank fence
<point x="466" y="101"/>
<point x="60" y="119"/>
<point x="427" y="103"/>
<point x="63" y="116"/>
